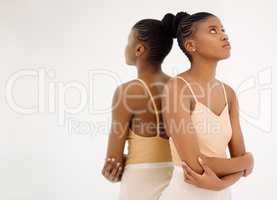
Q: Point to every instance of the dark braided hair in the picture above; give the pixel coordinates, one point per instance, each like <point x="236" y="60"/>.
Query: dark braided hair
<point x="157" y="36"/>
<point x="182" y="26"/>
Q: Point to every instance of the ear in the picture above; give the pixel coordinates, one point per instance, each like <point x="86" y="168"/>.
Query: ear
<point x="140" y="49"/>
<point x="190" y="45"/>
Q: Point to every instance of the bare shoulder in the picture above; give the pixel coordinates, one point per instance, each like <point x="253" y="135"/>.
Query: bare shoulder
<point x="180" y="81"/>
<point x="126" y="94"/>
<point x="230" y="92"/>
<point x="131" y="87"/>
<point x="177" y="90"/>
<point x="173" y="82"/>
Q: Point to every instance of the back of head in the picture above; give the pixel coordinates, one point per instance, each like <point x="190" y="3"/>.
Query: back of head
<point x="156" y="36"/>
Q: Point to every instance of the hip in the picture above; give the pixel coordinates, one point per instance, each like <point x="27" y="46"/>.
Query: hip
<point x="145" y="180"/>
<point x="178" y="189"/>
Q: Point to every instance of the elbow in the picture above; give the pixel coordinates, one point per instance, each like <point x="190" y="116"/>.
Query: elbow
<point x="249" y="158"/>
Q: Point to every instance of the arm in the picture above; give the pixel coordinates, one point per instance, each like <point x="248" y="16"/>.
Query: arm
<point x="225" y="166"/>
<point x="231" y="179"/>
<point x="121" y="117"/>
<point x="209" y="180"/>
<point x="240" y="160"/>
<point x="178" y="123"/>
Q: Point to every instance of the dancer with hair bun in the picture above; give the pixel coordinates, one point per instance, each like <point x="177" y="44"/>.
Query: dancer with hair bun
<point x="136" y="118"/>
<point x="201" y="115"/>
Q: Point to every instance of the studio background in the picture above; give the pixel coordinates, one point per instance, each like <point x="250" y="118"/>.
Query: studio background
<point x="60" y="63"/>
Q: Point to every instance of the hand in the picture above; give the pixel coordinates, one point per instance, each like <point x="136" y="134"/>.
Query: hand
<point x="248" y="171"/>
<point x="208" y="180"/>
<point x="113" y="170"/>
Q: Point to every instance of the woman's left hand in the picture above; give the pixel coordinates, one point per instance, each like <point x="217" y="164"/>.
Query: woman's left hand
<point x="113" y="170"/>
<point x="208" y="180"/>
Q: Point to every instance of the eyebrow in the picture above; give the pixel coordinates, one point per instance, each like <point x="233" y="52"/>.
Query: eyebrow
<point x="215" y="26"/>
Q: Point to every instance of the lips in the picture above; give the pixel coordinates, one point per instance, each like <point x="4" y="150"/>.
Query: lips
<point x="227" y="45"/>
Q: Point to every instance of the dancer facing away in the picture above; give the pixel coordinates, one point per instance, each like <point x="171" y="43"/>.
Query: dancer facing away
<point x="136" y="118"/>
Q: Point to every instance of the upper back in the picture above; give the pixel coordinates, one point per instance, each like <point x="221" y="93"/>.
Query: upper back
<point x="143" y="97"/>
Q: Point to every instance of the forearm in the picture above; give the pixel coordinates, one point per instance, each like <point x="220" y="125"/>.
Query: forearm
<point x="115" y="148"/>
<point x="231" y="179"/>
<point x="226" y="166"/>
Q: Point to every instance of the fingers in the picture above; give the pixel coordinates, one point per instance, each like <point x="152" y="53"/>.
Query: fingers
<point x="113" y="174"/>
<point x="189" y="171"/>
<point x="119" y="173"/>
<point x="105" y="167"/>
<point x="190" y="179"/>
<point x="109" y="165"/>
<point x="249" y="153"/>
<point x="247" y="172"/>
<point x="112" y="170"/>
<point x="204" y="165"/>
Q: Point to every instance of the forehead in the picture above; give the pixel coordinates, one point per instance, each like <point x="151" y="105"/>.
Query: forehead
<point x="212" y="21"/>
<point x="132" y="37"/>
<point x="132" y="34"/>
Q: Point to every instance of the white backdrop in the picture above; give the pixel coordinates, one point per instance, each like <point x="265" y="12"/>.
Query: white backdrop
<point x="60" y="63"/>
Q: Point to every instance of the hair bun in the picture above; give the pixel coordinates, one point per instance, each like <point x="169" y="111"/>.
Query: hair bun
<point x="168" y="22"/>
<point x="171" y="22"/>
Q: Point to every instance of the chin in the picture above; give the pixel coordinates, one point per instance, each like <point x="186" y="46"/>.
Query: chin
<point x="223" y="57"/>
<point x="227" y="56"/>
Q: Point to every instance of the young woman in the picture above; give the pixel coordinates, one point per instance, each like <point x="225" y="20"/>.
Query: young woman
<point x="201" y="115"/>
<point x="136" y="117"/>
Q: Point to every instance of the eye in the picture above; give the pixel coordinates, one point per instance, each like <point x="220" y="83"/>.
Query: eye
<point x="223" y="30"/>
<point x="213" y="30"/>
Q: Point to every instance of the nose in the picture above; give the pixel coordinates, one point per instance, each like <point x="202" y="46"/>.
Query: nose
<point x="224" y="37"/>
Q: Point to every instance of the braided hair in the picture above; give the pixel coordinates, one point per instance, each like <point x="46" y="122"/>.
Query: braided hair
<point x="157" y="36"/>
<point x="182" y="26"/>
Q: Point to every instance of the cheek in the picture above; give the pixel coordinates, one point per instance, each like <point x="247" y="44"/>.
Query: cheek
<point x="129" y="54"/>
<point x="211" y="47"/>
<point x="127" y="51"/>
<point x="207" y="44"/>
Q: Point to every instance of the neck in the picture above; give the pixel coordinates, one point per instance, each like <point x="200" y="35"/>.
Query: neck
<point x="204" y="70"/>
<point x="148" y="70"/>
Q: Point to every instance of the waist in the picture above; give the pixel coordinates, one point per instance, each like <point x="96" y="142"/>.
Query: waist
<point x="153" y="158"/>
<point x="147" y="151"/>
<point x="149" y="165"/>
